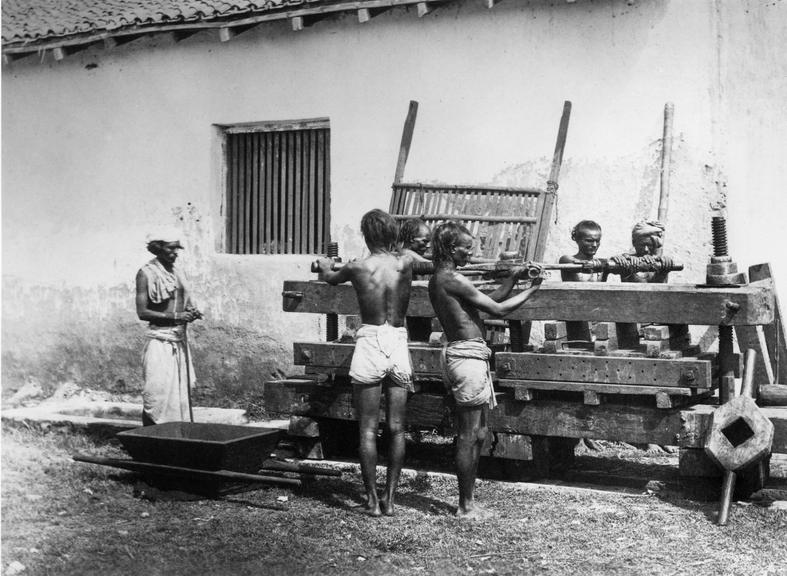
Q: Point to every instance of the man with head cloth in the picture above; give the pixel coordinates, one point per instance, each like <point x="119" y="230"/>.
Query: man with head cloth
<point x="163" y="300"/>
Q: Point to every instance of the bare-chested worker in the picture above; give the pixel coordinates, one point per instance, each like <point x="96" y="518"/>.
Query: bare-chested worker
<point x="413" y="239"/>
<point x="587" y="235"/>
<point x="382" y="284"/>
<point x="457" y="303"/>
<point x="163" y="300"/>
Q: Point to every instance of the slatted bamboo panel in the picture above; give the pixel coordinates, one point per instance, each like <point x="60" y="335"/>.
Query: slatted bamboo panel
<point x="278" y="192"/>
<point x="502" y="219"/>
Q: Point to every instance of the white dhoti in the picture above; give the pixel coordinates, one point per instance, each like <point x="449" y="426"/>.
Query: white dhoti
<point x="165" y="397"/>
<point x="466" y="372"/>
<point x="382" y="351"/>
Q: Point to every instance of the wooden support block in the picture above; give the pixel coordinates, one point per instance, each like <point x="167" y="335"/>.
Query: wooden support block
<point x="773" y="395"/>
<point x="335" y="357"/>
<point x="553" y="346"/>
<point x="504" y="445"/>
<point x="604" y="369"/>
<point x="663" y="400"/>
<point x="309" y="448"/>
<point x="591" y="398"/>
<point x="554" y="330"/>
<point x="656" y="332"/>
<point x="591" y="301"/>
<point x="303" y="426"/>
<point x="604" y="331"/>
<point x="523" y="394"/>
<point x="364" y="15"/>
<point x="654" y="348"/>
<point x="604" y="347"/>
<point x="693" y="462"/>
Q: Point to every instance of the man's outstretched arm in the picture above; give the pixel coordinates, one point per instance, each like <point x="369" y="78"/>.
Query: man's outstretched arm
<point x="463" y="289"/>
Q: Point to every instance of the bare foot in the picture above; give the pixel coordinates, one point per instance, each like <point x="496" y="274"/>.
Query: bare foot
<point x="386" y="506"/>
<point x="372" y="507"/>
<point x="473" y="512"/>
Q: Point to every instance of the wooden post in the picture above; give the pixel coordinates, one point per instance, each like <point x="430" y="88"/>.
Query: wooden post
<point x="666" y="161"/>
<point x="407" y="138"/>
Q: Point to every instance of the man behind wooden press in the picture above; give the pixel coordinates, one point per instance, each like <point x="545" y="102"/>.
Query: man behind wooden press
<point x="382" y="284"/>
<point x="457" y="303"/>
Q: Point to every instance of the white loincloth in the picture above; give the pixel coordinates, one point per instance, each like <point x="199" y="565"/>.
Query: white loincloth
<point x="382" y="351"/>
<point x="165" y="397"/>
<point x="466" y="372"/>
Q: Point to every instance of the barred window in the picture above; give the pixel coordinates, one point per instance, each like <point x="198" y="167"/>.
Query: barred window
<point x="278" y="187"/>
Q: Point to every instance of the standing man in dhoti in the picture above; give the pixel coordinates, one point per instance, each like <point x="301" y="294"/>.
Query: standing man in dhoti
<point x="163" y="300"/>
<point x="458" y="303"/>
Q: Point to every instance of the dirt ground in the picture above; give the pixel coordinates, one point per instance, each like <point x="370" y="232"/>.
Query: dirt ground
<point x="62" y="517"/>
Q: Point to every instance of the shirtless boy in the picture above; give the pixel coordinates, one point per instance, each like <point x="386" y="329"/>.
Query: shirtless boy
<point x="382" y="284"/>
<point x="457" y="303"/>
<point x="587" y="235"/>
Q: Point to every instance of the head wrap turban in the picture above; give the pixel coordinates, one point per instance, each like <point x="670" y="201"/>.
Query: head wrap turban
<point x="646" y="229"/>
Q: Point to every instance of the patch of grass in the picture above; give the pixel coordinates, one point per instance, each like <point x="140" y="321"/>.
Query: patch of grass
<point x="67" y="518"/>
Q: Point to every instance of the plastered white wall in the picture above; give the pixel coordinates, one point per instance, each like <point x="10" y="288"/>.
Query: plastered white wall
<point x="101" y="146"/>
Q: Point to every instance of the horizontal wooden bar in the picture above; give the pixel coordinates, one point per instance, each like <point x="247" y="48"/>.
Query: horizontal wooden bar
<point x="615" y="422"/>
<point x="595" y="387"/>
<point x="682" y="372"/>
<point x="311" y="399"/>
<point x="466" y="188"/>
<point x="338" y="355"/>
<point x="747" y="305"/>
<point x="471" y="217"/>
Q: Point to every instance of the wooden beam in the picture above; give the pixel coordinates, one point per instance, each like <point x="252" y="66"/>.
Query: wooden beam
<point x="598" y="387"/>
<point x="335" y="357"/>
<point x="592" y="301"/>
<point x="574" y="420"/>
<point x="364" y="15"/>
<point x="226" y="34"/>
<point x="682" y="372"/>
<point x="407" y="139"/>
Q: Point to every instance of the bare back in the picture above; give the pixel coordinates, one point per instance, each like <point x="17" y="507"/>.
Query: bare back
<point x="382" y="283"/>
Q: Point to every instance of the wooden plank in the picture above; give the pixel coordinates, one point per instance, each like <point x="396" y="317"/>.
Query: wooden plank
<point x="321" y="197"/>
<point x="257" y="191"/>
<point x="592" y="301"/>
<point x="773" y="395"/>
<point x="276" y="194"/>
<point x="247" y="191"/>
<point x="599" y="388"/>
<point x="231" y="190"/>
<point x="697" y="419"/>
<point x="407" y="139"/>
<point x="327" y="187"/>
<point x="268" y="191"/>
<point x="573" y="420"/>
<point x="308" y="190"/>
<point x="310" y="399"/>
<point x="297" y="177"/>
<point x="335" y="357"/>
<point x="604" y="369"/>
<point x="290" y="192"/>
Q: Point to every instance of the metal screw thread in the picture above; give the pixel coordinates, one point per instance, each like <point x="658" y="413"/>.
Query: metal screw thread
<point x="332" y="320"/>
<point x="719" y="227"/>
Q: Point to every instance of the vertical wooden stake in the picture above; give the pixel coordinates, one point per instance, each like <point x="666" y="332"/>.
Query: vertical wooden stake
<point x="407" y="138"/>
